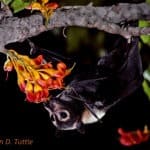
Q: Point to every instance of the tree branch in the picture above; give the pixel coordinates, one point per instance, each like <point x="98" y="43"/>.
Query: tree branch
<point x="14" y="29"/>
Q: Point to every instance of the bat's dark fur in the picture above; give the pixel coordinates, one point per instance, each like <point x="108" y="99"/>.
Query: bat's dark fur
<point x="117" y="75"/>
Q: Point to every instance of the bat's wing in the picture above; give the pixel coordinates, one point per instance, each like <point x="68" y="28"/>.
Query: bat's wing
<point x="123" y="66"/>
<point x="131" y="73"/>
<point x="118" y="74"/>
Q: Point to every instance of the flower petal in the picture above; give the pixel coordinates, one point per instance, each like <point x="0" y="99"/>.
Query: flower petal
<point x="52" y="5"/>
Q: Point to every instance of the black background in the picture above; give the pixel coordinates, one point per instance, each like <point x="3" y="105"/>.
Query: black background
<point x="20" y="119"/>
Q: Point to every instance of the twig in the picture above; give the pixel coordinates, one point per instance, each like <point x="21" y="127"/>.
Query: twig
<point x="107" y="19"/>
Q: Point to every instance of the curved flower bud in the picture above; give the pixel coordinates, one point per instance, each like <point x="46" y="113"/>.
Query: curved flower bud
<point x="35" y="76"/>
<point x="44" y="7"/>
<point x="8" y="65"/>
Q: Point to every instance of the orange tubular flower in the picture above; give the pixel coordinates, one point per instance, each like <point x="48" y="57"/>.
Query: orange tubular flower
<point x="131" y="138"/>
<point x="35" y="76"/>
<point x="44" y="7"/>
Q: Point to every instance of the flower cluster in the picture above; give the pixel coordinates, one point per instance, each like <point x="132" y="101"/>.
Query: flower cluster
<point x="36" y="76"/>
<point x="44" y="7"/>
<point x="133" y="137"/>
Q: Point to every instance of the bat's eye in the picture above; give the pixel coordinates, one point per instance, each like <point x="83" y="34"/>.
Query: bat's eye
<point x="63" y="115"/>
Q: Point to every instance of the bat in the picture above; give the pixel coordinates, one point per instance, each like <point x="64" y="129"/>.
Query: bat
<point x="88" y="97"/>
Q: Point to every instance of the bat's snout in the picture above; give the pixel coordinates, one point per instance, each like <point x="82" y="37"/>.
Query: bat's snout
<point x="61" y="116"/>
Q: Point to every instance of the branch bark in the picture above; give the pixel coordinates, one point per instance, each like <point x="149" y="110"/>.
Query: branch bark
<point x="13" y="29"/>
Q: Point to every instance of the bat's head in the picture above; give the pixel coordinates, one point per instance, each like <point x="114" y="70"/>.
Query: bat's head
<point x="90" y="96"/>
<point x="64" y="112"/>
<point x="69" y="113"/>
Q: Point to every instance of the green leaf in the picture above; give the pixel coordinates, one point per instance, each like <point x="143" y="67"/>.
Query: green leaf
<point x="145" y="38"/>
<point x="146" y="82"/>
<point x="146" y="88"/>
<point x="148" y="1"/>
<point x="146" y="74"/>
<point x="18" y="5"/>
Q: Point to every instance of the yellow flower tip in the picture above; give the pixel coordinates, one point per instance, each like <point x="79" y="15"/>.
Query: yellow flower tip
<point x="44" y="76"/>
<point x="20" y="79"/>
<point x="25" y="59"/>
<point x="35" y="6"/>
<point x="44" y="1"/>
<point x="37" y="88"/>
<point x="25" y="75"/>
<point x="29" y="87"/>
<point x="21" y="83"/>
<point x="35" y="74"/>
<point x="50" y="71"/>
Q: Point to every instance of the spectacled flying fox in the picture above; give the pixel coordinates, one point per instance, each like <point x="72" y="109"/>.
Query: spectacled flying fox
<point x="87" y="98"/>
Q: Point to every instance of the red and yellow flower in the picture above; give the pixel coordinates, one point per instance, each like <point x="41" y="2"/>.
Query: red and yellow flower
<point x="36" y="76"/>
<point x="130" y="138"/>
<point x="45" y="7"/>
